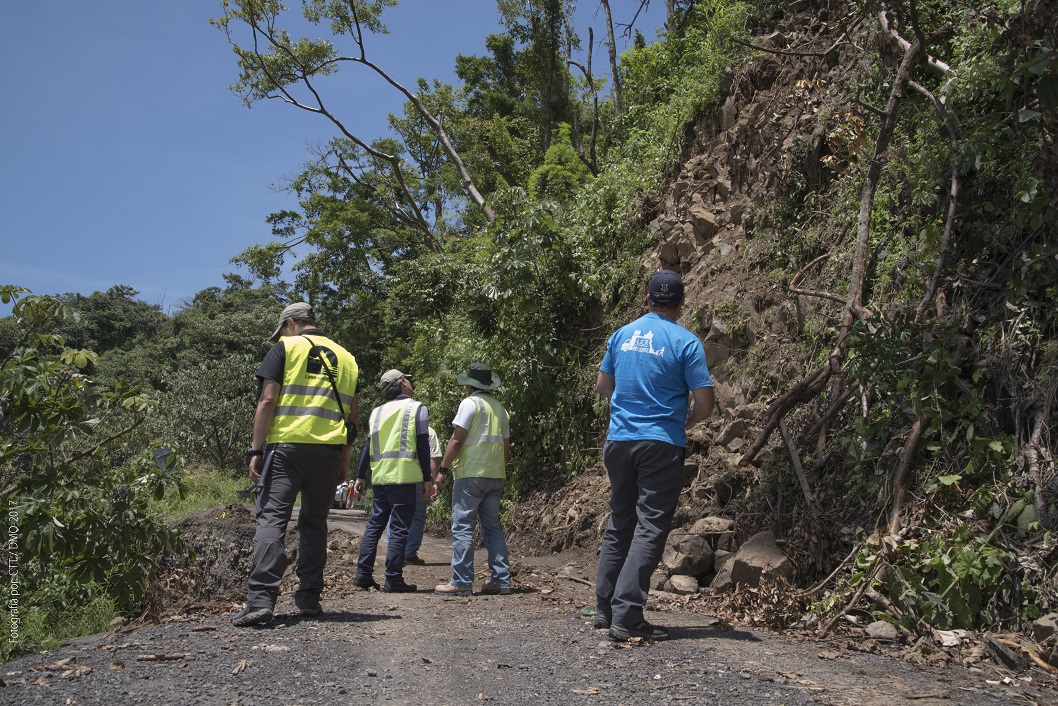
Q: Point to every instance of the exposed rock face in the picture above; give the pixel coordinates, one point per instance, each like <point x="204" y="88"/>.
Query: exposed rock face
<point x="682" y="585"/>
<point x="688" y="554"/>
<point x="760" y="558"/>
<point x="881" y="630"/>
<point x="766" y="131"/>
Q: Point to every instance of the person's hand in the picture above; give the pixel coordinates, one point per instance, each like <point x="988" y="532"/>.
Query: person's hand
<point x="358" y="489"/>
<point x="256" y="465"/>
<point x="435" y="489"/>
<point x="429" y="491"/>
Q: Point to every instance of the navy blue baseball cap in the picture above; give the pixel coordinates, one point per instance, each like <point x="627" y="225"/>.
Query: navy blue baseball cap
<point x="666" y="288"/>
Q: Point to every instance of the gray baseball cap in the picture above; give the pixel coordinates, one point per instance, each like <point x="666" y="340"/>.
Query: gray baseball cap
<point x="391" y="378"/>
<point x="297" y="310"/>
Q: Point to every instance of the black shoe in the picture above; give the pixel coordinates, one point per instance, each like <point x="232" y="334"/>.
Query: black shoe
<point x="365" y="583"/>
<point x="311" y="611"/>
<point x="601" y="622"/>
<point x="646" y="631"/>
<point x="414" y="559"/>
<point x="398" y="587"/>
<point x="248" y="617"/>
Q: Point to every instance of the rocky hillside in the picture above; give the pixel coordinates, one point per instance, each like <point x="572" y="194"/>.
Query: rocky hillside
<point x="738" y="158"/>
<point x="767" y="188"/>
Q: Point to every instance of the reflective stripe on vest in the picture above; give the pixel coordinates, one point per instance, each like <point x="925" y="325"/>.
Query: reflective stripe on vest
<point x="306" y="411"/>
<point x="392" y="451"/>
<point x="482" y="452"/>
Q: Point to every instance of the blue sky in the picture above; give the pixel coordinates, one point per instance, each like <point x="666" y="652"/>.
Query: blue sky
<point x="125" y="159"/>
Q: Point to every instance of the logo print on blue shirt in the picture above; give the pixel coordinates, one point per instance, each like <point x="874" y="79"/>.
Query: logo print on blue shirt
<point x="641" y="343"/>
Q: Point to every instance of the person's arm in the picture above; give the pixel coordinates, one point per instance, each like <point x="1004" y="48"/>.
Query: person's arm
<point x="605" y="385"/>
<point x="703" y="401"/>
<point x="362" y="469"/>
<point x="350" y="425"/>
<point x="422" y="452"/>
<point x="506" y="451"/>
<point x="455" y="445"/>
<point x="262" y="422"/>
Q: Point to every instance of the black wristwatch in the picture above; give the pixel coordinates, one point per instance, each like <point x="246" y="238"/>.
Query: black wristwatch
<point x="442" y="469"/>
<point x="254" y="452"/>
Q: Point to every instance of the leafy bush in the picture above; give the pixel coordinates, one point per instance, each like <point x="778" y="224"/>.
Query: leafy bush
<point x="84" y="534"/>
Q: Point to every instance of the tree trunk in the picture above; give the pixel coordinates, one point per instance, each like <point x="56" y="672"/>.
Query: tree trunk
<point x="612" y="51"/>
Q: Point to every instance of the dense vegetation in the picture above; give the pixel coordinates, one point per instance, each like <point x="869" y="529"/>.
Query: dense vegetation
<point x="502" y="220"/>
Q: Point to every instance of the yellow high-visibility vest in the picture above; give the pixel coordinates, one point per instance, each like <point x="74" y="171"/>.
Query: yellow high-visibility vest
<point x="307" y="411"/>
<point x="482" y="452"/>
<point x="392" y="451"/>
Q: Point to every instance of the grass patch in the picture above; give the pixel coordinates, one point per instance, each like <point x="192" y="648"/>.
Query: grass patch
<point x="51" y="623"/>
<point x="204" y="488"/>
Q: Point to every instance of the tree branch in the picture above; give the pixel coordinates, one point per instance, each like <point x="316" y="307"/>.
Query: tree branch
<point x="903" y="470"/>
<point x="952" y="126"/>
<point x="615" y="77"/>
<point x="935" y="66"/>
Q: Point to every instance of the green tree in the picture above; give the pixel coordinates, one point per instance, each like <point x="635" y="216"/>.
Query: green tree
<point x="562" y="174"/>
<point x="273" y="65"/>
<point x="84" y="528"/>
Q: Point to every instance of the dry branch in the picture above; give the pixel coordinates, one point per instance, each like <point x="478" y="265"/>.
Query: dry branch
<point x="903" y="470"/>
<point x="795" y="459"/>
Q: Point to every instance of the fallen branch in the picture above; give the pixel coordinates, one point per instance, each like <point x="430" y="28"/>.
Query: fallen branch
<point x="1032" y="454"/>
<point x="855" y="599"/>
<point x="160" y="657"/>
<point x="935" y="66"/>
<point x="811" y="386"/>
<point x="795" y="459"/>
<point x="1039" y="661"/>
<point x="824" y="582"/>
<point x="903" y="470"/>
<point x="780" y="52"/>
<point x="574" y="579"/>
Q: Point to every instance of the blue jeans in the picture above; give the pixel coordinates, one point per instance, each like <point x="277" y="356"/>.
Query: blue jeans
<point x="418" y="524"/>
<point x="392" y="502"/>
<point x="474" y="498"/>
<point x="646" y="478"/>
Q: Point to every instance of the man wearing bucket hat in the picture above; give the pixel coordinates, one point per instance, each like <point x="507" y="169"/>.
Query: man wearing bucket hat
<point x="303" y="427"/>
<point x="397" y="454"/>
<point x="477" y="455"/>
<point x="649" y="368"/>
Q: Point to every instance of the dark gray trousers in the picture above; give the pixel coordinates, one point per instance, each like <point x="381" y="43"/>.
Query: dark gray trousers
<point x="312" y="470"/>
<point x="646" y="478"/>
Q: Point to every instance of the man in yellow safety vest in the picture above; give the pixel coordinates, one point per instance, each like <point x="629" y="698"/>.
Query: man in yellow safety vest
<point x="477" y="455"/>
<point x="397" y="454"/>
<point x="303" y="428"/>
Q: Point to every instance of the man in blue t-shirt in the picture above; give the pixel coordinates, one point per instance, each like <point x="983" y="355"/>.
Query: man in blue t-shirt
<point x="649" y="368"/>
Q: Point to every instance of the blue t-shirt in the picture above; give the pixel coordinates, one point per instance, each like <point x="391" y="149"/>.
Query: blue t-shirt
<point x="655" y="363"/>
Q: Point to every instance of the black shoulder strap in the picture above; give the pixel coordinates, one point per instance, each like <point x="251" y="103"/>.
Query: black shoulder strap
<point x="315" y="352"/>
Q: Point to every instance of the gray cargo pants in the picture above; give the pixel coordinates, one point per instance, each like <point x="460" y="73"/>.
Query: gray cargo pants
<point x="646" y="478"/>
<point x="312" y="470"/>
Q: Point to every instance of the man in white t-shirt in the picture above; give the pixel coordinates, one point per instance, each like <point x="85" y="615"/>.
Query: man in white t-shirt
<point x="477" y="454"/>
